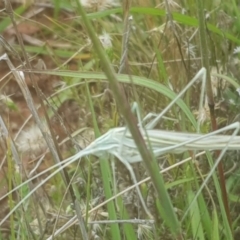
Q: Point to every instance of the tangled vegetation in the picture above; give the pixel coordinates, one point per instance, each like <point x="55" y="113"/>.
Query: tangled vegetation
<point x="74" y="74"/>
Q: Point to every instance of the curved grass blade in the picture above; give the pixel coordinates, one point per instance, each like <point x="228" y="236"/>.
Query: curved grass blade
<point x="139" y="81"/>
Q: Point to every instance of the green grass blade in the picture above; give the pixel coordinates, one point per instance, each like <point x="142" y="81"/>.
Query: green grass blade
<point x="139" y="81"/>
<point x="6" y="21"/>
<point x="227" y="230"/>
<point x="215" y="226"/>
<point x="195" y="218"/>
<point x="106" y="176"/>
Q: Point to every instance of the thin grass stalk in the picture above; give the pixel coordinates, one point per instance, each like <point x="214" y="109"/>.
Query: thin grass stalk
<point x="224" y="223"/>
<point x="49" y="138"/>
<point x="106" y="176"/>
<point x="170" y="19"/>
<point x="215" y="232"/>
<point x="126" y="34"/>
<point x="209" y="92"/>
<point x="168" y="212"/>
<point x="128" y="229"/>
<point x="10" y="175"/>
<point x="12" y="154"/>
<point x="88" y="195"/>
<point x="195" y="215"/>
<point x="157" y="55"/>
<point x="80" y="220"/>
<point x="123" y="68"/>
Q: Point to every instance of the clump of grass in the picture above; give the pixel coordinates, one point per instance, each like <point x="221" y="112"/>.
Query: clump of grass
<point x="163" y="49"/>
